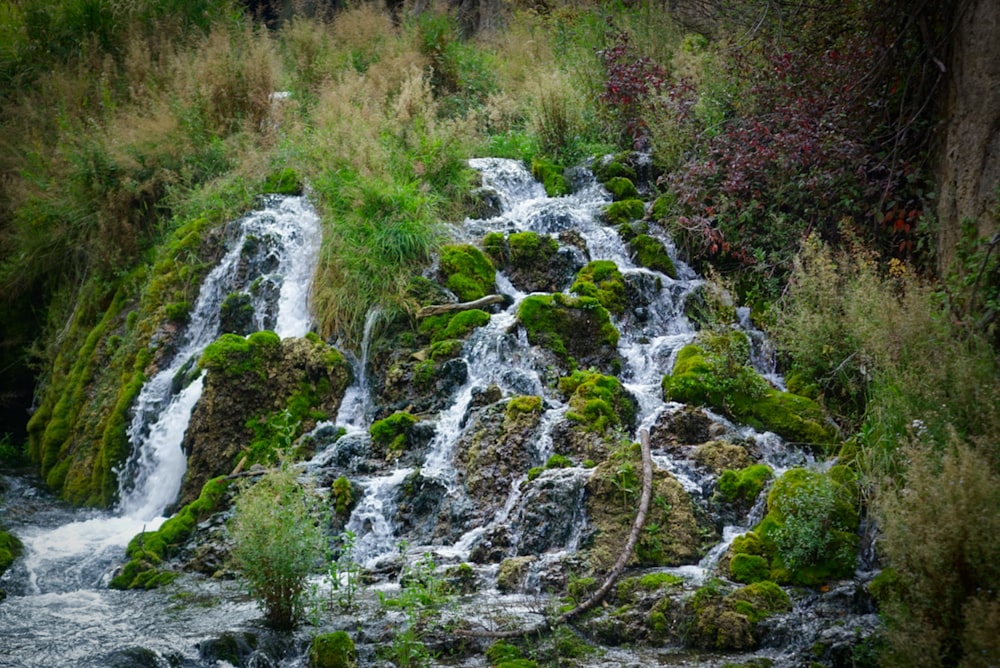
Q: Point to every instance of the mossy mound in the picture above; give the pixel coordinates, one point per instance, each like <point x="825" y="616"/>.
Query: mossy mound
<point x="743" y="486"/>
<point x="649" y="252"/>
<point x="577" y="329"/>
<point x="718" y="456"/>
<point x="675" y="533"/>
<point x="466" y="271"/>
<point x="728" y="621"/>
<point x="333" y="650"/>
<point x="550" y="175"/>
<point x="598" y="402"/>
<point x="148" y="551"/>
<point x="533" y="262"/>
<point x="451" y="326"/>
<point x="717" y="374"/>
<point x="810" y="530"/>
<point x="608" y="167"/>
<point x="602" y="280"/>
<point x="621" y="188"/>
<point x="392" y="434"/>
<point x="10" y="549"/>
<point x="259" y="393"/>
<point x="624" y="211"/>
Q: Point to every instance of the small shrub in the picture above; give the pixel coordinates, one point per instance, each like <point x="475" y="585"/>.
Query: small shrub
<point x="275" y="544"/>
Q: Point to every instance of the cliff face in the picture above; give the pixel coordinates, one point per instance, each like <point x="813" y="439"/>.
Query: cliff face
<point x="969" y="159"/>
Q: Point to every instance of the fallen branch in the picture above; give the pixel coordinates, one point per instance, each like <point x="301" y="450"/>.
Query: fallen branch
<point x="613" y="574"/>
<point x="438" y="309"/>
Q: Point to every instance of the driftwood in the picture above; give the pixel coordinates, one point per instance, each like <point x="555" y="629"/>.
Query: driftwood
<point x="438" y="309"/>
<point x="613" y="574"/>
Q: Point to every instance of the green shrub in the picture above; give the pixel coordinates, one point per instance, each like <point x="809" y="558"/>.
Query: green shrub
<point x="275" y="544"/>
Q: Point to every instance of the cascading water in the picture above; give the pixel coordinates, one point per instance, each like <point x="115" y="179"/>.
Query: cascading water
<point x="60" y="611"/>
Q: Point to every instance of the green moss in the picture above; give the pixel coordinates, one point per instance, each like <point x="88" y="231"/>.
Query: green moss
<point x="749" y="568"/>
<point x="727" y="621"/>
<point x="393" y="432"/>
<point x="597" y="401"/>
<point x="606" y="169"/>
<point x="179" y="312"/>
<point x="744" y="485"/>
<point x="524" y="404"/>
<point x="456" y="325"/>
<point x="466" y="271"/>
<point x="602" y="280"/>
<point x="282" y="182"/>
<point x="528" y="249"/>
<point x="149" y="549"/>
<point x="760" y="600"/>
<point x="549" y="323"/>
<point x="558" y="462"/>
<point x="550" y="175"/>
<point x="651" y="582"/>
<point x="496" y="247"/>
<point x="717" y="375"/>
<point x="621" y="188"/>
<point x="624" y="211"/>
<point x="650" y="253"/>
<point x="447" y="349"/>
<point x="663" y="206"/>
<point x="333" y="650"/>
<point x="10" y="549"/>
<point x="234" y="356"/>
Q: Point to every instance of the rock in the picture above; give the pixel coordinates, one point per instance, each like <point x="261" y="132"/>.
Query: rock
<point x="513" y="573"/>
<point x="333" y="650"/>
<point x="549" y="511"/>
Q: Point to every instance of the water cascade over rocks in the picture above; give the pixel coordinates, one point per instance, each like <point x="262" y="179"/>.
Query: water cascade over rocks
<point x="59" y="611"/>
<point x="514" y="459"/>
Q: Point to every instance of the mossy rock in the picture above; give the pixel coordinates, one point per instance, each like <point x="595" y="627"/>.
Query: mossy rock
<point x="725" y="382"/>
<point x="393" y="433"/>
<point x="625" y="211"/>
<point x="628" y="588"/>
<point x="810" y="530"/>
<point x="663" y="206"/>
<point x="452" y="326"/>
<point x="234" y="356"/>
<point x="676" y="532"/>
<point x="608" y="167"/>
<point x="283" y="182"/>
<point x="723" y="620"/>
<point x="718" y="456"/>
<point x="466" y="271"/>
<point x="551" y="176"/>
<point x="598" y="402"/>
<point x="533" y="262"/>
<point x="574" y="328"/>
<point x="333" y="650"/>
<point x="148" y="550"/>
<point x="649" y="252"/>
<point x="512" y="574"/>
<point x="602" y="280"/>
<point x="745" y="485"/>
<point x="749" y="568"/>
<point x="10" y="549"/>
<point x="621" y="188"/>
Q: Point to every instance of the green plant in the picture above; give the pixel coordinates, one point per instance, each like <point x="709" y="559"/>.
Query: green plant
<point x="275" y="543"/>
<point x="423" y="592"/>
<point x="345" y="573"/>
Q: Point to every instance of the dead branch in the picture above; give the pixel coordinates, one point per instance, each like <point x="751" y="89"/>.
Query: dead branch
<point x="438" y="309"/>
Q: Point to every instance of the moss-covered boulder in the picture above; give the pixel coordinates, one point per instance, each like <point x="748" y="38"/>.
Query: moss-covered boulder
<point x="598" y="402"/>
<point x="727" y="620"/>
<point x="10" y="549"/>
<point x="607" y="167"/>
<point x="512" y="573"/>
<point x="715" y="372"/>
<point x="466" y="271"/>
<point x="452" y="326"/>
<point x="719" y="456"/>
<point x="392" y="434"/>
<point x="650" y="252"/>
<point x="551" y="175"/>
<point x="745" y="485"/>
<point x="624" y="211"/>
<point x="259" y="393"/>
<point x="810" y="530"/>
<point x="333" y="650"/>
<point x="578" y="330"/>
<point x="533" y="262"/>
<point x="621" y="188"/>
<point x="602" y="280"/>
<point x="676" y="530"/>
<point x="148" y="552"/>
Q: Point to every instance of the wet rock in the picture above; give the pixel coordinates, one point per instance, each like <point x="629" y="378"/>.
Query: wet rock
<point x="687" y="426"/>
<point x="534" y="262"/>
<point x="493" y="547"/>
<point x="549" y="512"/>
<point x="718" y="456"/>
<point x="513" y="573"/>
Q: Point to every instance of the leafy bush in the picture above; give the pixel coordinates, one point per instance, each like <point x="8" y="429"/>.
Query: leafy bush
<point x="275" y="544"/>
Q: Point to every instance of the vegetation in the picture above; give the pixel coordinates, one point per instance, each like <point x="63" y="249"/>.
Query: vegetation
<point x="276" y="542"/>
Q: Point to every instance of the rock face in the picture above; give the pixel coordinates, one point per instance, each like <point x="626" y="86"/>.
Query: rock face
<point x="969" y="162"/>
<point x="257" y="378"/>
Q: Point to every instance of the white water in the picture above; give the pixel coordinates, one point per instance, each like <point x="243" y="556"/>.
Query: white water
<point x="65" y="568"/>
